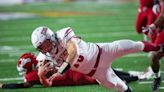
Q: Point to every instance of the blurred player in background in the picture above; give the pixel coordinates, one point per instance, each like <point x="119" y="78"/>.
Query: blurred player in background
<point x="156" y="56"/>
<point x="92" y="59"/>
<point x="28" y="67"/>
<point x="147" y="13"/>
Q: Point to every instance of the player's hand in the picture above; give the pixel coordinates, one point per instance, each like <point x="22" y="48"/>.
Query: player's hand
<point x="54" y="76"/>
<point x="44" y="69"/>
<point x="156" y="9"/>
<point x="149" y="30"/>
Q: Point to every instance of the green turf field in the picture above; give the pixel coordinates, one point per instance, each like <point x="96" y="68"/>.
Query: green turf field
<point x="95" y="22"/>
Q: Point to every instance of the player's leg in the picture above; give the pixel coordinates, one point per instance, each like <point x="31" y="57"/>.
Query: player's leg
<point x="123" y="47"/>
<point x="155" y="64"/>
<point x="125" y="76"/>
<point x="141" y="21"/>
<point x="150" y="19"/>
<point x="155" y="61"/>
<point x="111" y="80"/>
<point x="129" y="46"/>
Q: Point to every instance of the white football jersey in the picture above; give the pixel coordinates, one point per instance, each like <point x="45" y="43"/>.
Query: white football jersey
<point x="87" y="52"/>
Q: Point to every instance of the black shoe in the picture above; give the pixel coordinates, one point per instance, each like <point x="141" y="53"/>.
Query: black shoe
<point x="128" y="90"/>
<point x="130" y="78"/>
<point x="156" y="84"/>
<point x="161" y="48"/>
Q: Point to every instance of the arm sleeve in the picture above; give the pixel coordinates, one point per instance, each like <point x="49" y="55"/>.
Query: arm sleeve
<point x="18" y="85"/>
<point x="14" y="86"/>
<point x="65" y="35"/>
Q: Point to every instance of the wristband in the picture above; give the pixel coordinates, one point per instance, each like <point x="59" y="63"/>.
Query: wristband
<point x="64" y="67"/>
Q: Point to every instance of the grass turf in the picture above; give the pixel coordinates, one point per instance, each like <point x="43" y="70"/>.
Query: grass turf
<point x="97" y="23"/>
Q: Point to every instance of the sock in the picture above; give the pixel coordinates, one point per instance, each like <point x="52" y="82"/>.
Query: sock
<point x="150" y="47"/>
<point x="157" y="75"/>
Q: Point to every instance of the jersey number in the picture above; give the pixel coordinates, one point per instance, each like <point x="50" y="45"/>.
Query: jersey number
<point x="80" y="59"/>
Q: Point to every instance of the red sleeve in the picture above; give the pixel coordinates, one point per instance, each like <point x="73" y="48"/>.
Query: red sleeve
<point x="73" y="78"/>
<point x="82" y="79"/>
<point x="31" y="76"/>
<point x="147" y="3"/>
<point x="65" y="80"/>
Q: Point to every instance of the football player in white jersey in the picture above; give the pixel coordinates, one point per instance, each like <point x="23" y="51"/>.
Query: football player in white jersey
<point x="94" y="60"/>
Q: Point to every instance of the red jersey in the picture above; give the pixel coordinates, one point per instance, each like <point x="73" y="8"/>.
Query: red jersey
<point x="31" y="76"/>
<point x="73" y="78"/>
<point x="146" y="3"/>
<point x="69" y="78"/>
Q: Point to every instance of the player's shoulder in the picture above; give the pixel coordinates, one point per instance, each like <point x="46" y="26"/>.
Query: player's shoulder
<point x="64" y="32"/>
<point x="65" y="29"/>
<point x="31" y="76"/>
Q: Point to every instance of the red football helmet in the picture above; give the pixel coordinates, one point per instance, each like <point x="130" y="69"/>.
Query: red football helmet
<point x="26" y="63"/>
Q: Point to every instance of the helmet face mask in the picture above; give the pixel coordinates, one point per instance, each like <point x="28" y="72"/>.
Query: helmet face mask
<point x="46" y="46"/>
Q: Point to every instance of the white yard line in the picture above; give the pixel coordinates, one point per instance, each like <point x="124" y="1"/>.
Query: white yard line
<point x="7" y="60"/>
<point x="85" y="35"/>
<point x="15" y="15"/>
<point x="161" y="87"/>
<point x="14" y="39"/>
<point x="11" y="79"/>
<point x="147" y="82"/>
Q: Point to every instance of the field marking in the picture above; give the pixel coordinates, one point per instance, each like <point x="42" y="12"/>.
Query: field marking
<point x="146" y="82"/>
<point x="84" y="35"/>
<point x="15" y="15"/>
<point x="11" y="79"/>
<point x="7" y="60"/>
<point x="73" y="13"/>
<point x="161" y="87"/>
<point x="149" y="82"/>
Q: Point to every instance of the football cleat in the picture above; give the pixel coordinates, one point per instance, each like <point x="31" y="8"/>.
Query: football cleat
<point x="162" y="48"/>
<point x="129" y="90"/>
<point x="156" y="84"/>
<point x="147" y="74"/>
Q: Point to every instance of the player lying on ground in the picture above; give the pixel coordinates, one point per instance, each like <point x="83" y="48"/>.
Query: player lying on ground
<point x="28" y="66"/>
<point x="92" y="59"/>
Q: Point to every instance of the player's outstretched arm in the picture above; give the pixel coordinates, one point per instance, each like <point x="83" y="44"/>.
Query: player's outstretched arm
<point x="43" y="70"/>
<point x="72" y="53"/>
<point x="17" y="85"/>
